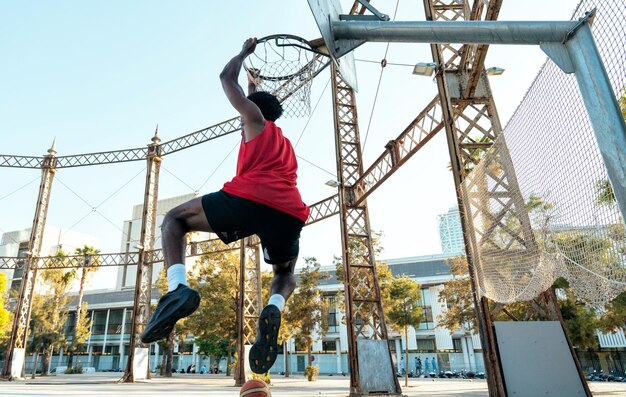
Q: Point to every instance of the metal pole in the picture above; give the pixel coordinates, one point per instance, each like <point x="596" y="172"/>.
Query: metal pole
<point x="240" y="372"/>
<point x="604" y="112"/>
<point x="466" y="32"/>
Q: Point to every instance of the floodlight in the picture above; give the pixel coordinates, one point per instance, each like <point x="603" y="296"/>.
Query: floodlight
<point x="494" y="71"/>
<point x="333" y="183"/>
<point x="425" y="68"/>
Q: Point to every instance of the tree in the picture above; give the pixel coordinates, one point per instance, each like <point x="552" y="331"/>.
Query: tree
<point x="606" y="196"/>
<point x="217" y="281"/>
<point x="5" y="316"/>
<point x="307" y="311"/>
<point x="49" y="312"/>
<point x="214" y="346"/>
<point x="80" y="331"/>
<point x="404" y="310"/>
<point x="457" y="295"/>
<point x="615" y="315"/>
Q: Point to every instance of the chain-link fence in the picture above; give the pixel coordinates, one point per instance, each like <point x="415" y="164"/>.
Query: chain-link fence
<point x="571" y="224"/>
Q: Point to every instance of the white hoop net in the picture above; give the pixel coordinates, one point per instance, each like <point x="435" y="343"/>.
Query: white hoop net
<point x="284" y="65"/>
<point x="572" y="220"/>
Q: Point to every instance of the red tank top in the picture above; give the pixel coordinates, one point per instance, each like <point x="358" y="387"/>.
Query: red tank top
<point x="266" y="173"/>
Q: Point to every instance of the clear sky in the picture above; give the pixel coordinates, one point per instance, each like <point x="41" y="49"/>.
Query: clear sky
<point x="99" y="76"/>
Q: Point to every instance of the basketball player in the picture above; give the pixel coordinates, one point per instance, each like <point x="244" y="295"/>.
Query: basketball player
<point x="261" y="199"/>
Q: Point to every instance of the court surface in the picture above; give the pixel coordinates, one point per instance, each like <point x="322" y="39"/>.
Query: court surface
<point x="219" y="385"/>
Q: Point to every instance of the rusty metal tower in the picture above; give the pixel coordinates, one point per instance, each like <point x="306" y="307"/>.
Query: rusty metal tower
<point x="138" y="366"/>
<point x="14" y="364"/>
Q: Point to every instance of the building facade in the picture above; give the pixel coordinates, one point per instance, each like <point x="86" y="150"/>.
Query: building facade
<point x="110" y="312"/>
<point x="15" y="244"/>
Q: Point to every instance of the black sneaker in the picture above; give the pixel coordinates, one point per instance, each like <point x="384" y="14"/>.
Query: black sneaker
<point x="265" y="349"/>
<point x="172" y="307"/>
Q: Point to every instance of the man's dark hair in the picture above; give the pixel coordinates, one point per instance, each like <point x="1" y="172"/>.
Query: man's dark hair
<point x="268" y="103"/>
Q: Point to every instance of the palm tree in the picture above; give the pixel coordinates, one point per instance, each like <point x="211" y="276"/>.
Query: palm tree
<point x="91" y="264"/>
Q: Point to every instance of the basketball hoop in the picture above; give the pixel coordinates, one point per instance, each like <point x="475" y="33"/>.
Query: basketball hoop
<point x="285" y="65"/>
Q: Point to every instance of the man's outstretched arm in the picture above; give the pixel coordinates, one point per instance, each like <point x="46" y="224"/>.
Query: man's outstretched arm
<point x="253" y="120"/>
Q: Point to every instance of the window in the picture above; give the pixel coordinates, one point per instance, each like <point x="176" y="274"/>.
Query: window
<point x="456" y="345"/>
<point x="115" y="322"/>
<point x="333" y="324"/>
<point x="426" y="297"/>
<point x="427" y="318"/>
<point x="99" y="322"/>
<point x="299" y="345"/>
<point x="329" y="346"/>
<point x="425" y="345"/>
<point x="70" y="323"/>
<point x="112" y="350"/>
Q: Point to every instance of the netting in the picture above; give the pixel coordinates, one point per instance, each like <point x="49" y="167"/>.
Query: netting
<point x="285" y="66"/>
<point x="563" y="220"/>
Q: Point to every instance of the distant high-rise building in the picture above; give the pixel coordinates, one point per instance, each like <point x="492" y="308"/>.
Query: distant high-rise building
<point x="451" y="232"/>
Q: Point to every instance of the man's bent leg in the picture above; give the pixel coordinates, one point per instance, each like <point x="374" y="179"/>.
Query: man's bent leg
<point x="265" y="349"/>
<point x="284" y="281"/>
<point x="180" y="301"/>
<point x="187" y="217"/>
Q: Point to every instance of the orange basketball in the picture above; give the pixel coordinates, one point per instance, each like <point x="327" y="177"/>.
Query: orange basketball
<point x="255" y="388"/>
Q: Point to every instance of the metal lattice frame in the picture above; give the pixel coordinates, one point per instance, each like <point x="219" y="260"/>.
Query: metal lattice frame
<point x="361" y="284"/>
<point x="472" y="125"/>
<point x="249" y="303"/>
<point x="19" y="332"/>
<point x="364" y="311"/>
<point x="143" y="285"/>
<point x="463" y="146"/>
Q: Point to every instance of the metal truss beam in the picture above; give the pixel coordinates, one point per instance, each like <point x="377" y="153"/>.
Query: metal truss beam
<point x="398" y="151"/>
<point x="6" y="160"/>
<point x="323" y="209"/>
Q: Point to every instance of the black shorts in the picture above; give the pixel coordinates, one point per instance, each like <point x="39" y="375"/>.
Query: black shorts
<point x="233" y="218"/>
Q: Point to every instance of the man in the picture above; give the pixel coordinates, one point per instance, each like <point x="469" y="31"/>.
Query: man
<point x="418" y="366"/>
<point x="261" y="199"/>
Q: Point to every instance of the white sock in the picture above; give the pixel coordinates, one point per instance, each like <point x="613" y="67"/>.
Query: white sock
<point x="176" y="274"/>
<point x="277" y="300"/>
